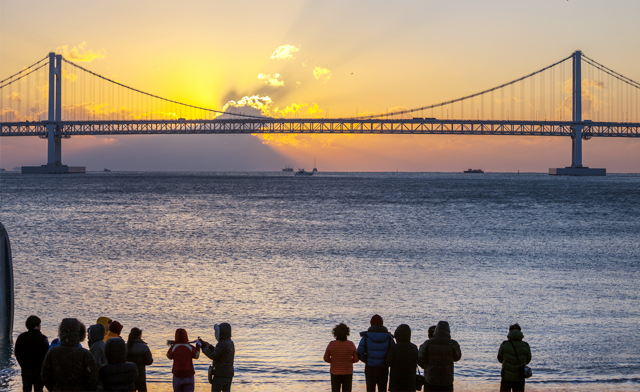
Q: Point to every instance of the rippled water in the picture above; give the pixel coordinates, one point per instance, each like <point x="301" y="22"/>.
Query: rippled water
<point x="283" y="259"/>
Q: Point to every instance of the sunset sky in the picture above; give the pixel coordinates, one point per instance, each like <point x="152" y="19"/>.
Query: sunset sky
<point x="320" y="58"/>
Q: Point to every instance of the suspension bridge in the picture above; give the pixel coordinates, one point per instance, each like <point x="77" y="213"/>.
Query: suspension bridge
<point x="575" y="97"/>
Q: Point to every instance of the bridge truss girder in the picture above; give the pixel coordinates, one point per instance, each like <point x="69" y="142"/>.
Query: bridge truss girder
<point x="324" y="126"/>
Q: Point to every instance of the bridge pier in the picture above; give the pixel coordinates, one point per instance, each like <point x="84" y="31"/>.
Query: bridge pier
<point x="54" y="138"/>
<point x="576" y="168"/>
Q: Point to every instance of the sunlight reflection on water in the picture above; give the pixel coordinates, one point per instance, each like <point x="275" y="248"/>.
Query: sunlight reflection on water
<point x="283" y="260"/>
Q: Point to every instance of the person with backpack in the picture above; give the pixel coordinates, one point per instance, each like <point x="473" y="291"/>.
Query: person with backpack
<point x="182" y="353"/>
<point x="513" y="355"/>
<point x="372" y="350"/>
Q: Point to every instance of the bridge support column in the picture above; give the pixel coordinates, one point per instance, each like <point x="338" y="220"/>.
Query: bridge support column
<point x="576" y="168"/>
<point x="54" y="128"/>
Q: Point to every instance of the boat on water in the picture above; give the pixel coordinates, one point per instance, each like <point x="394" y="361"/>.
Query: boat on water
<point x="106" y="170"/>
<point x="302" y="172"/>
<point x="473" y="171"/>
<point x="288" y="168"/>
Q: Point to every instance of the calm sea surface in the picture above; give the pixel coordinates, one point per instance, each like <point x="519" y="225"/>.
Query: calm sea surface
<point x="283" y="259"/>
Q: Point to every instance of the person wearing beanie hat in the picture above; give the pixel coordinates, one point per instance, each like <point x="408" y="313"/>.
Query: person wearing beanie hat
<point x="372" y="350"/>
<point x="113" y="331"/>
<point x="436" y="356"/>
<point x="512" y="354"/>
<point x="31" y="348"/>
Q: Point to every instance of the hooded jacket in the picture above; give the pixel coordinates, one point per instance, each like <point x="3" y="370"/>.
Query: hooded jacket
<point x="117" y="374"/>
<point x="141" y="356"/>
<point x="437" y="356"/>
<point x="223" y="353"/>
<point x="506" y="355"/>
<point x="69" y="367"/>
<point x="402" y="359"/>
<point x="96" y="344"/>
<point x="30" y="349"/>
<point x="182" y="354"/>
<point x="378" y="341"/>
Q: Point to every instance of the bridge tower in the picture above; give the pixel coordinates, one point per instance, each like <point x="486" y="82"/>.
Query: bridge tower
<point x="54" y="125"/>
<point x="576" y="168"/>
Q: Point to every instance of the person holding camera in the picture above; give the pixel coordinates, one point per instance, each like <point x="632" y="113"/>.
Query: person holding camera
<point x="221" y="370"/>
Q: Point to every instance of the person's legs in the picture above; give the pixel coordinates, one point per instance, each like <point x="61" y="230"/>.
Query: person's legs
<point x="347" y="382"/>
<point x="27" y="382"/>
<point x="370" y="378"/>
<point x="383" y="378"/>
<point x="335" y="383"/>
<point x="221" y="384"/>
<point x="141" y="386"/>
<point x="438" y="388"/>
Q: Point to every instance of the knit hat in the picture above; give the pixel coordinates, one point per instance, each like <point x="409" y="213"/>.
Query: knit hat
<point x="115" y="327"/>
<point x="376" y="320"/>
<point x="32" y="322"/>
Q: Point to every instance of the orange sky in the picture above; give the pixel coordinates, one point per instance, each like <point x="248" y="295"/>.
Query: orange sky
<point x="329" y="58"/>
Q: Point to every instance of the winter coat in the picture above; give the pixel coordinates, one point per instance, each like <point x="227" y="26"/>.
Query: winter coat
<point x="110" y="335"/>
<point x="506" y="355"/>
<point x="378" y="342"/>
<point x="117" y="374"/>
<point x="96" y="344"/>
<point x="30" y="349"/>
<point x="223" y="353"/>
<point x="182" y="354"/>
<point x="437" y="356"/>
<point x="141" y="356"/>
<point x="402" y="359"/>
<point x="341" y="355"/>
<point x="69" y="367"/>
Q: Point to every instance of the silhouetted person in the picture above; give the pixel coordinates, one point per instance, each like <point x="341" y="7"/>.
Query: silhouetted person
<point x="402" y="360"/>
<point x="437" y="356"/>
<point x="222" y="355"/>
<point x="114" y="330"/>
<point x="341" y="354"/>
<point x="69" y="367"/>
<point x="432" y="330"/>
<point x="118" y="374"/>
<point x="511" y="380"/>
<point x="96" y="344"/>
<point x="372" y="350"/>
<point x="183" y="355"/>
<point x="138" y="352"/>
<point x="31" y="348"/>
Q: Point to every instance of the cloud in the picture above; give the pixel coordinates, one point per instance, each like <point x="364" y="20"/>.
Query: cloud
<point x="271" y="80"/>
<point x="67" y="75"/>
<point x="254" y="105"/>
<point x="15" y="96"/>
<point x="80" y="53"/>
<point x="284" y="52"/>
<point x="322" y="74"/>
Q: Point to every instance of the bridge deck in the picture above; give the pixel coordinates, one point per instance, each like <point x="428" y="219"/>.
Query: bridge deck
<point x="318" y="126"/>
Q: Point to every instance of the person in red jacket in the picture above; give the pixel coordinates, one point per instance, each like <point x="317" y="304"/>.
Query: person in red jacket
<point x="341" y="354"/>
<point x="183" y="355"/>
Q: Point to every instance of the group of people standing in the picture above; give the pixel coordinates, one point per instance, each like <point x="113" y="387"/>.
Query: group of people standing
<point x="111" y="364"/>
<point x="392" y="359"/>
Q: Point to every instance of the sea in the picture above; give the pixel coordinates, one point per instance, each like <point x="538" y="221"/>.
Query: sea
<point x="283" y="259"/>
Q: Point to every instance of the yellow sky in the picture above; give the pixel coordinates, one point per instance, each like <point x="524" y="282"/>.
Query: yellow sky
<point x="323" y="58"/>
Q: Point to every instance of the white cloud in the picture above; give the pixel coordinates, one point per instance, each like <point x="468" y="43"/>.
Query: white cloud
<point x="271" y="80"/>
<point x="322" y="74"/>
<point x="284" y="52"/>
<point x="254" y="105"/>
<point x="80" y="53"/>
